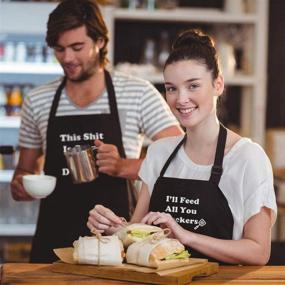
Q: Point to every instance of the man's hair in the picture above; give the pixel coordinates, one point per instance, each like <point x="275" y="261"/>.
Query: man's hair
<point x="71" y="14"/>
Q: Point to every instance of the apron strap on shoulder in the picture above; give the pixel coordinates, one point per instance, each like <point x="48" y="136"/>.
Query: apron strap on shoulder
<point x="217" y="168"/>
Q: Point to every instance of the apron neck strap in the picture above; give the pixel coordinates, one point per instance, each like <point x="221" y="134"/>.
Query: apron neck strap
<point x="172" y="155"/>
<point x="56" y="99"/>
<point x="114" y="109"/>
<point x="217" y="168"/>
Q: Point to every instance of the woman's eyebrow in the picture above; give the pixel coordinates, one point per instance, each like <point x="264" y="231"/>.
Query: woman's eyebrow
<point x="188" y="81"/>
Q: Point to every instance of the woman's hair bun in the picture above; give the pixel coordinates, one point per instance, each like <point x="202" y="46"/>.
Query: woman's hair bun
<point x="192" y="37"/>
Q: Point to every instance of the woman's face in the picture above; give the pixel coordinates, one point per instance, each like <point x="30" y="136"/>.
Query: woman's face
<point x="191" y="92"/>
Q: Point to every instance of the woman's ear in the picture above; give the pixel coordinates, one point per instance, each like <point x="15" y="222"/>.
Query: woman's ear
<point x="219" y="85"/>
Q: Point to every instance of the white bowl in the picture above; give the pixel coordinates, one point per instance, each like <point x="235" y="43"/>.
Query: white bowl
<point x="39" y="186"/>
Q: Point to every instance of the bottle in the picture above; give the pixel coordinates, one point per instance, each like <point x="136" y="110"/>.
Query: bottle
<point x="21" y="52"/>
<point x="38" y="49"/>
<point x="2" y="51"/>
<point x="15" y="101"/>
<point x="9" y="55"/>
<point x="149" y="56"/>
<point x="163" y="49"/>
<point x="3" y="101"/>
<point x="50" y="58"/>
<point x="151" y="4"/>
<point x="30" y="52"/>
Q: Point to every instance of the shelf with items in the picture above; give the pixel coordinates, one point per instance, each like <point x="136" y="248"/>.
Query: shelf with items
<point x="148" y="45"/>
<point x="251" y="23"/>
<point x="206" y="15"/>
<point x="253" y="16"/>
<point x="156" y="77"/>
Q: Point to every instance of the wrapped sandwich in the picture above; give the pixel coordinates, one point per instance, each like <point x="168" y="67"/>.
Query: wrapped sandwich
<point x="152" y="253"/>
<point x="107" y="250"/>
<point x="136" y="232"/>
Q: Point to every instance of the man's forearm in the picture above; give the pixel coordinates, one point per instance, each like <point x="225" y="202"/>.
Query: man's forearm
<point x="129" y="168"/>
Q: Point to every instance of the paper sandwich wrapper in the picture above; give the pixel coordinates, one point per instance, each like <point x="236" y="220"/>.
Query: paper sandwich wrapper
<point x="66" y="255"/>
<point x="90" y="250"/>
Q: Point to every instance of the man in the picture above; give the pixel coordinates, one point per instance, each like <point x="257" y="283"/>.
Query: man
<point x="87" y="104"/>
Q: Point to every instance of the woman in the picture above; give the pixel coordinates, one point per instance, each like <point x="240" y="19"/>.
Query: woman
<point x="212" y="188"/>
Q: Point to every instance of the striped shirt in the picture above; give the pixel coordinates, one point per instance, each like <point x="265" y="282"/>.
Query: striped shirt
<point x="142" y="111"/>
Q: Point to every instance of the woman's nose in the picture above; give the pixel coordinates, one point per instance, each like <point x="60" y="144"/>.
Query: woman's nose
<point x="183" y="97"/>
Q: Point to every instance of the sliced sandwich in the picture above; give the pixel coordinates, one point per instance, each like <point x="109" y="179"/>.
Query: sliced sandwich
<point x="136" y="232"/>
<point x="152" y="253"/>
<point x="107" y="251"/>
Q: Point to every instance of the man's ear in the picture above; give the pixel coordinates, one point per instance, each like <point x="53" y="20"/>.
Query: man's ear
<point x="100" y="42"/>
<point x="219" y="85"/>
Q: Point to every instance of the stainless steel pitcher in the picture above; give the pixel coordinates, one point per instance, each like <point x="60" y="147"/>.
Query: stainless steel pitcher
<point x="81" y="161"/>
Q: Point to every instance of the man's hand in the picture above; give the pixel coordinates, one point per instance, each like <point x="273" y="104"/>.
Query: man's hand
<point x="17" y="190"/>
<point x="108" y="159"/>
<point x="109" y="162"/>
<point x="30" y="162"/>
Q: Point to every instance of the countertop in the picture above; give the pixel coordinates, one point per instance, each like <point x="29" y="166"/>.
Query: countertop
<point x="40" y="274"/>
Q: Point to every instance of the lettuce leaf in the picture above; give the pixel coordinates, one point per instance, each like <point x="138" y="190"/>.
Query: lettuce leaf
<point x="183" y="254"/>
<point x="140" y="233"/>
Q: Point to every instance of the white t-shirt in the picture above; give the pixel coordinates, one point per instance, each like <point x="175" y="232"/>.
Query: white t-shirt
<point x="142" y="111"/>
<point x="246" y="182"/>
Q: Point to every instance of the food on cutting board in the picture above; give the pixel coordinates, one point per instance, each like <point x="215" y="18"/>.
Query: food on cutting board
<point x="102" y="250"/>
<point x="152" y="252"/>
<point x="136" y="233"/>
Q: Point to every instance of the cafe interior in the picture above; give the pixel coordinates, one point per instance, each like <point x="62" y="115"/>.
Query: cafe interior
<point x="249" y="36"/>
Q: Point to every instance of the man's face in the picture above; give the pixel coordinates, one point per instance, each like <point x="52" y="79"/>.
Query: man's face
<point x="78" y="54"/>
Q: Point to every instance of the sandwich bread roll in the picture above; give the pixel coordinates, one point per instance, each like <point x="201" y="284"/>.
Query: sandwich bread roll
<point x="136" y="232"/>
<point x="106" y="251"/>
<point x="151" y="253"/>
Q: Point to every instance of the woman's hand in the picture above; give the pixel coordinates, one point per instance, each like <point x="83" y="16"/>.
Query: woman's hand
<point x="165" y="220"/>
<point x="103" y="220"/>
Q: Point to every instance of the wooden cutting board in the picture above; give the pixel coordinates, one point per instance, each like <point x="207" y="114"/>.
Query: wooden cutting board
<point x="178" y="276"/>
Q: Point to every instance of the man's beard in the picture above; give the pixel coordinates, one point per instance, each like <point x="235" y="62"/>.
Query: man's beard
<point x="85" y="75"/>
<point x="89" y="71"/>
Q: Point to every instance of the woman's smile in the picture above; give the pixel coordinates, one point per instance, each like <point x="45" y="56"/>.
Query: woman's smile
<point x="188" y="110"/>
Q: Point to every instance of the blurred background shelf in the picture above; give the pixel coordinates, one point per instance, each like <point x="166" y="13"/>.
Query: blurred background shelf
<point x="6" y="176"/>
<point x="30" y="68"/>
<point x="17" y="229"/>
<point x="206" y="15"/>
<point x="10" y="122"/>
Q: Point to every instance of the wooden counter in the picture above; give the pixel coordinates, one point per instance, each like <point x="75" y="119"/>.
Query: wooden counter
<point x="41" y="274"/>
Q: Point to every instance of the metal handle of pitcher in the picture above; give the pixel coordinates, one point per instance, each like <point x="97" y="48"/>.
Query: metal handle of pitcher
<point x="94" y="150"/>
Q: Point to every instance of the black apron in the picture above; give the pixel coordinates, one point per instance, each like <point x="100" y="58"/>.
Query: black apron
<point x="198" y="206"/>
<point x="63" y="215"/>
